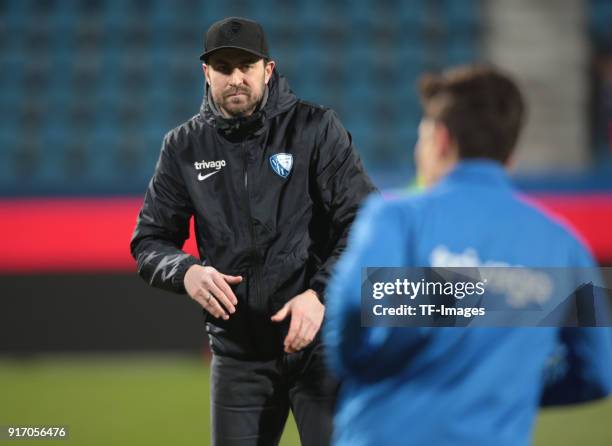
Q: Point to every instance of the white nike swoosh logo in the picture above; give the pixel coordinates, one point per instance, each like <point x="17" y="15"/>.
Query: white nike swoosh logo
<point x="203" y="177"/>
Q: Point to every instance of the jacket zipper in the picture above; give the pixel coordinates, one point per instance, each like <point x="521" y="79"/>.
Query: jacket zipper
<point x="251" y="227"/>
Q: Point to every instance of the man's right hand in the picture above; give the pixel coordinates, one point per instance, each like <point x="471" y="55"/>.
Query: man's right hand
<point x="211" y="289"/>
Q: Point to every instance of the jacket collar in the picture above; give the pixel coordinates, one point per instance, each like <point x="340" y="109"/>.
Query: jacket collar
<point x="277" y="99"/>
<point x="479" y="171"/>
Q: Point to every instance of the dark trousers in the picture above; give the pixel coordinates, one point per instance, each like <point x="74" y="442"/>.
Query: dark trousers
<point x="250" y="400"/>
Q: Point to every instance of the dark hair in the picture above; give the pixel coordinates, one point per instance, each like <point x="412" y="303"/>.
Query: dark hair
<point x="482" y="108"/>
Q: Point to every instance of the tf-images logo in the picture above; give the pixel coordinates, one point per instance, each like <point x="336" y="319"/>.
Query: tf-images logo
<point x="205" y="165"/>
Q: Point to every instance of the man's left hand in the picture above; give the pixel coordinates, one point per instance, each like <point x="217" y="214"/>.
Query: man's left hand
<point x="306" y="317"/>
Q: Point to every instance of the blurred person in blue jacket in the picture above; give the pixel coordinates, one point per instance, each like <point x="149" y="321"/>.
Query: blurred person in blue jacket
<point x="458" y="386"/>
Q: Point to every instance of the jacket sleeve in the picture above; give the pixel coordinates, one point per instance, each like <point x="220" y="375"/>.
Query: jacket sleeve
<point x="581" y="368"/>
<point x="342" y="185"/>
<point x="163" y="226"/>
<point x="376" y="239"/>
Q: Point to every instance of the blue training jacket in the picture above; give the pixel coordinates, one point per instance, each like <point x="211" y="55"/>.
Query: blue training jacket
<point x="455" y="386"/>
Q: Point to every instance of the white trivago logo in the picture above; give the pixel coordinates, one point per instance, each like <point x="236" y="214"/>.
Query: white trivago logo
<point x="202" y="165"/>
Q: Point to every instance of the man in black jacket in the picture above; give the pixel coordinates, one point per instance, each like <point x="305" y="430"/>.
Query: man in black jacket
<point x="273" y="184"/>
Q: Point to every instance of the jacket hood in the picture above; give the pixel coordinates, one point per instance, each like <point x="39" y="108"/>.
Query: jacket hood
<point x="280" y="98"/>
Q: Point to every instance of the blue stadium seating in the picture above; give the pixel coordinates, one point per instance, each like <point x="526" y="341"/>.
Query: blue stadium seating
<point x="88" y="88"/>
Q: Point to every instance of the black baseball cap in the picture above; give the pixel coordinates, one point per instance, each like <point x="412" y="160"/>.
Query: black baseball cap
<point x="236" y="32"/>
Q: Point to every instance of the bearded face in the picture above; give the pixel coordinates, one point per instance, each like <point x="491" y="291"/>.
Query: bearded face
<point x="237" y="80"/>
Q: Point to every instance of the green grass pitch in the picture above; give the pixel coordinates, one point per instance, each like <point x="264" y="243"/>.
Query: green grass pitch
<point x="164" y="400"/>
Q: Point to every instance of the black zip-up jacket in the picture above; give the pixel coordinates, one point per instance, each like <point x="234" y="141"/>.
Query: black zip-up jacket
<point x="279" y="221"/>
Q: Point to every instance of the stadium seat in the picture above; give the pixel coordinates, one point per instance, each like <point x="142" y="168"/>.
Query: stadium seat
<point x="110" y="77"/>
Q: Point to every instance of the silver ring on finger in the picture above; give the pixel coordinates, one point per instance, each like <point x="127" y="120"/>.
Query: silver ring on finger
<point x="208" y="297"/>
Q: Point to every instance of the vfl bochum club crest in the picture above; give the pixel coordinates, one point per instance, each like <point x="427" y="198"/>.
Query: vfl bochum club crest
<point x="281" y="164"/>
